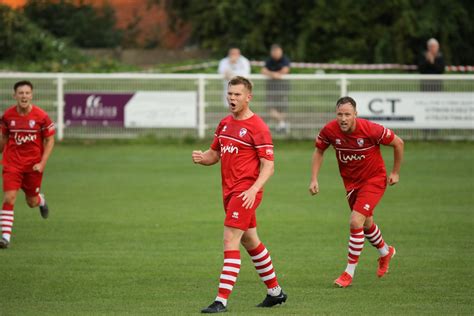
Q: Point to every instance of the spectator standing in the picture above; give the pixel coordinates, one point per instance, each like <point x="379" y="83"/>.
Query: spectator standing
<point x="278" y="89"/>
<point x="431" y="63"/>
<point x="233" y="65"/>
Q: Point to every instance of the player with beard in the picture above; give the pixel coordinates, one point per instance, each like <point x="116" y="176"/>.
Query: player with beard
<point x="243" y="144"/>
<point x="357" y="144"/>
<point x="26" y="143"/>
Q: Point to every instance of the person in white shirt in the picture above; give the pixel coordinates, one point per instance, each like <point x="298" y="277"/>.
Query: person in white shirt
<point x="233" y="65"/>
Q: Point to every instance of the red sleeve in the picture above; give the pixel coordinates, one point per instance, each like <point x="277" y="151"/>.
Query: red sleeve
<point x="215" y="142"/>
<point x="48" y="128"/>
<point x="381" y="135"/>
<point x="322" y="140"/>
<point x="264" y="144"/>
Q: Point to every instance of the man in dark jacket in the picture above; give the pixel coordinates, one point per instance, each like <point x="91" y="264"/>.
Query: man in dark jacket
<point x="431" y="63"/>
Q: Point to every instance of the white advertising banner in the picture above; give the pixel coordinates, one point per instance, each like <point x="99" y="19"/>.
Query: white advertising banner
<point x="418" y="110"/>
<point x="170" y="109"/>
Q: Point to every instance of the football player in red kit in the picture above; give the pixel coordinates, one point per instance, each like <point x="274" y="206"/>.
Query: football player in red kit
<point x="357" y="144"/>
<point x="26" y="143"/>
<point x="243" y="144"/>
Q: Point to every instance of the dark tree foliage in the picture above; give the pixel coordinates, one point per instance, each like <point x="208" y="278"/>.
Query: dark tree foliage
<point x="83" y="24"/>
<point x="23" y="41"/>
<point x="363" y="31"/>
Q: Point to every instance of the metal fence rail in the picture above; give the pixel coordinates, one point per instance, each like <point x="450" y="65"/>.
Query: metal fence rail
<point x="311" y="100"/>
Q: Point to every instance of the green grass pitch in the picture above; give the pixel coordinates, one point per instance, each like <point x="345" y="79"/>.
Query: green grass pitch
<point x="136" y="229"/>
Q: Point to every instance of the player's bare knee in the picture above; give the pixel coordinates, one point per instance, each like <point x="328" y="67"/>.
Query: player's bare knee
<point x="32" y="201"/>
<point x="249" y="242"/>
<point x="357" y="220"/>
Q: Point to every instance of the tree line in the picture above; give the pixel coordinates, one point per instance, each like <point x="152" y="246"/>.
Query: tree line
<point x="343" y="31"/>
<point x="346" y="31"/>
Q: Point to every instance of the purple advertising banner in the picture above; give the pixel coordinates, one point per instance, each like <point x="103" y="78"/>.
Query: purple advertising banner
<point x="95" y="108"/>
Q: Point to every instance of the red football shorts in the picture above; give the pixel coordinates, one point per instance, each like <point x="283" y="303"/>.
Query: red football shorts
<point x="365" y="198"/>
<point x="29" y="182"/>
<point x="238" y="216"/>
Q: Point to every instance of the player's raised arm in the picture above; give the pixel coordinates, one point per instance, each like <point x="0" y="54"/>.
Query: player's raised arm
<point x="398" y="147"/>
<point x="317" y="161"/>
<point x="207" y="158"/>
<point x="266" y="171"/>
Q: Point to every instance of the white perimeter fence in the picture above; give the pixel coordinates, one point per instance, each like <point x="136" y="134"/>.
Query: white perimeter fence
<point x="191" y="105"/>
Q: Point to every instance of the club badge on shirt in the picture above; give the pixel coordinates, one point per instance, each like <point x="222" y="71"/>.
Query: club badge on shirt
<point x="32" y="123"/>
<point x="242" y="132"/>
<point x="360" y="142"/>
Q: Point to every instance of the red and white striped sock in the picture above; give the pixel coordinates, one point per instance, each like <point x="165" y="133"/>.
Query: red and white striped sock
<point x="229" y="274"/>
<point x="6" y="220"/>
<point x="374" y="235"/>
<point x="356" y="244"/>
<point x="263" y="263"/>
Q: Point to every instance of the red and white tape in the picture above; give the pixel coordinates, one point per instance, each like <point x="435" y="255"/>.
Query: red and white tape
<point x="327" y="66"/>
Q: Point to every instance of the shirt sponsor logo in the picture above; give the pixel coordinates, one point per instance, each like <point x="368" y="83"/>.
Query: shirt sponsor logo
<point x="229" y="149"/>
<point x="360" y="142"/>
<point x="32" y="123"/>
<point x="22" y="139"/>
<point x="346" y="158"/>
<point x="242" y="132"/>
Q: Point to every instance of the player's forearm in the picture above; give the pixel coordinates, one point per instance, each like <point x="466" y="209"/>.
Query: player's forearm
<point x="266" y="172"/>
<point x="317" y="161"/>
<point x="398" y="149"/>
<point x="48" y="148"/>
<point x="210" y="157"/>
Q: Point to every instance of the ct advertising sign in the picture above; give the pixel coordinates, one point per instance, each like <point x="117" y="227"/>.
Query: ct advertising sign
<point x="418" y="110"/>
<point x="142" y="109"/>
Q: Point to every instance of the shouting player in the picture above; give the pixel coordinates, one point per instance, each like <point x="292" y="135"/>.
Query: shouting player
<point x="27" y="141"/>
<point x="244" y="145"/>
<point x="357" y="144"/>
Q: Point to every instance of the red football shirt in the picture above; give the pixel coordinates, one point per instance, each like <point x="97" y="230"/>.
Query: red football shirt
<point x="358" y="153"/>
<point x="25" y="137"/>
<point x="241" y="144"/>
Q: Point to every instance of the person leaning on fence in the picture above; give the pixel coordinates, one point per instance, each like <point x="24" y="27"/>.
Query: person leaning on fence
<point x="233" y="65"/>
<point x="431" y="63"/>
<point x="278" y="89"/>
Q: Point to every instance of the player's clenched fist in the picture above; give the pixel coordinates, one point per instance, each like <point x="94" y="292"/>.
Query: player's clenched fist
<point x="393" y="178"/>
<point x="39" y="167"/>
<point x="197" y="156"/>
<point x="314" y="187"/>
